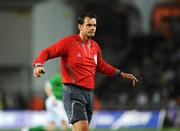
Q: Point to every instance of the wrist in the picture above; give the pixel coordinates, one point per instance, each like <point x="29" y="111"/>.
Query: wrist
<point x="38" y="65"/>
<point x="118" y="73"/>
<point x="123" y="75"/>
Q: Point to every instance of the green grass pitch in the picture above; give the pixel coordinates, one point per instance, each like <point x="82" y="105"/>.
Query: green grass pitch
<point x="170" y="129"/>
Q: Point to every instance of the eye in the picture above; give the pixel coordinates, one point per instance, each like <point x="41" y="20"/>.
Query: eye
<point x="89" y="25"/>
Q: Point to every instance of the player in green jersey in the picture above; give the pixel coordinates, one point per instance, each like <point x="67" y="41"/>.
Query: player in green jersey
<point x="54" y="105"/>
<point x="56" y="115"/>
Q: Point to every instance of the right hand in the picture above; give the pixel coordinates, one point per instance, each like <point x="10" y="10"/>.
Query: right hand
<point x="38" y="71"/>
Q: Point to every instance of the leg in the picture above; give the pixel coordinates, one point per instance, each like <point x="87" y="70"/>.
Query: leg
<point x="81" y="125"/>
<point x="75" y="101"/>
<point x="51" y="126"/>
<point x="90" y="106"/>
<point x="51" y="115"/>
<point x="64" y="125"/>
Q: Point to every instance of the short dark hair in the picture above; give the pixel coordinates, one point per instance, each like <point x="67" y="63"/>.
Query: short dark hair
<point x="81" y="17"/>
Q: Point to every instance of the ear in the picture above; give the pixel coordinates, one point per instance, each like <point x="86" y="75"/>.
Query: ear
<point x="79" y="26"/>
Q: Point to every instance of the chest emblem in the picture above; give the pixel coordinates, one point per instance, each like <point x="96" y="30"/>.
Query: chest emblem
<point x="95" y="59"/>
<point x="78" y="55"/>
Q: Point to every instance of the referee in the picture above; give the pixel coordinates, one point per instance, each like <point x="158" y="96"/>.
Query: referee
<point x="80" y="60"/>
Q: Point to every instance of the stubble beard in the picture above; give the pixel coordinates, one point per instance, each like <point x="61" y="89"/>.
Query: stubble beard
<point x="91" y="36"/>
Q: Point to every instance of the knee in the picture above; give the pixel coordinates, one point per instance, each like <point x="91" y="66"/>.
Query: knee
<point x="81" y="125"/>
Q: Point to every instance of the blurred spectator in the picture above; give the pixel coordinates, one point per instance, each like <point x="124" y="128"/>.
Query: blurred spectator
<point x="1" y="103"/>
<point x="10" y="103"/>
<point x="156" y="98"/>
<point x="170" y="114"/>
<point x="141" y="99"/>
<point x="177" y="120"/>
<point x="123" y="99"/>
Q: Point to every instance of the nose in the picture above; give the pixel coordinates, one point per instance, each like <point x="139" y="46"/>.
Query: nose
<point x="93" y="28"/>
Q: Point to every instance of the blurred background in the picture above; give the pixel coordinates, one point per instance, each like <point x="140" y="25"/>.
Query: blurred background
<point x="137" y="36"/>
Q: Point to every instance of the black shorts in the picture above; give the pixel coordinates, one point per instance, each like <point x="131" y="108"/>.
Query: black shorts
<point x="78" y="103"/>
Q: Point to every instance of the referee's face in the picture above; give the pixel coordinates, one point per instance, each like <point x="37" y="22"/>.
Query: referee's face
<point x="88" y="28"/>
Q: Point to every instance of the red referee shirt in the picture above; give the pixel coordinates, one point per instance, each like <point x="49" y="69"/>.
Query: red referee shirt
<point x="79" y="60"/>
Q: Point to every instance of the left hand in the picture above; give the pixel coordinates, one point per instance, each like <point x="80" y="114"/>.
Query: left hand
<point x="130" y="77"/>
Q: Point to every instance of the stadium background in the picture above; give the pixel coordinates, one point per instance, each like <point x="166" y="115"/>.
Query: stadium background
<point x="138" y="36"/>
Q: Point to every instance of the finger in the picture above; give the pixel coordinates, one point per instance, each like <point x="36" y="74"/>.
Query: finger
<point x="37" y="75"/>
<point x="135" y="79"/>
<point x="129" y="76"/>
<point x="133" y="82"/>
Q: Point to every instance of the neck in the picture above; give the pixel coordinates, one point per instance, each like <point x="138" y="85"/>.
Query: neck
<point x="84" y="38"/>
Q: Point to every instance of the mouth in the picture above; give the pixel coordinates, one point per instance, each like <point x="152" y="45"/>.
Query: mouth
<point x="92" y="32"/>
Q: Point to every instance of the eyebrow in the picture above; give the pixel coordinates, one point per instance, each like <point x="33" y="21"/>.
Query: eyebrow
<point x="92" y="24"/>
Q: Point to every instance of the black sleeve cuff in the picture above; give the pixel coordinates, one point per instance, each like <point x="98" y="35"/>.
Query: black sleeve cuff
<point x="38" y="65"/>
<point x="117" y="73"/>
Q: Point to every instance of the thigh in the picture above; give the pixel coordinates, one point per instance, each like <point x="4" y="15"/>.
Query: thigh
<point x="74" y="104"/>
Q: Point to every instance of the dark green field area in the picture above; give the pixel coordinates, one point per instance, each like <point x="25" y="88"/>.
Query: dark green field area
<point x="136" y="130"/>
<point x="172" y="129"/>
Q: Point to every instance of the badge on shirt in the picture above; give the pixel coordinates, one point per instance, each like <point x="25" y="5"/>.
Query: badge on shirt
<point x="95" y="59"/>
